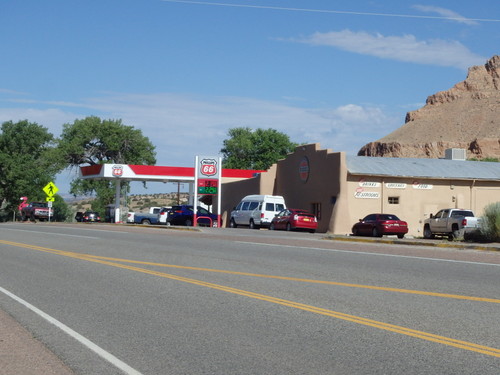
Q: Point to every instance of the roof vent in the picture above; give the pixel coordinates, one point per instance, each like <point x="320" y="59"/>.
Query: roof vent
<point x="455" y="154"/>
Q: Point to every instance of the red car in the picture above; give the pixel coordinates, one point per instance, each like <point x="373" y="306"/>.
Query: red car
<point x="377" y="225"/>
<point x="291" y="219"/>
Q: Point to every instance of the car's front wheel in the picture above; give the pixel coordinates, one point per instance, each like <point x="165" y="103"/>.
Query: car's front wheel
<point x="271" y="227"/>
<point x="428" y="233"/>
<point x="188" y="223"/>
<point x="232" y="223"/>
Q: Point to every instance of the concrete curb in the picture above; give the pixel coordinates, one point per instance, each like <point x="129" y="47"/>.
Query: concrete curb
<point x="417" y="242"/>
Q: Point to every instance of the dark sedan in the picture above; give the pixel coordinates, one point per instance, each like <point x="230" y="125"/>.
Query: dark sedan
<point x="183" y="215"/>
<point x="377" y="225"/>
<point x="91" y="216"/>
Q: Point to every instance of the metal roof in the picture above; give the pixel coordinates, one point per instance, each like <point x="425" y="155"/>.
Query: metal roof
<point x="423" y="168"/>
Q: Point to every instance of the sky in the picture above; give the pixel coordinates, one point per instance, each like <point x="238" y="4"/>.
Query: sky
<point x="337" y="73"/>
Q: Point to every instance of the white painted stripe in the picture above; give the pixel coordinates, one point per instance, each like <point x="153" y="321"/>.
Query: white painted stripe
<point x="89" y="344"/>
<point x="376" y="254"/>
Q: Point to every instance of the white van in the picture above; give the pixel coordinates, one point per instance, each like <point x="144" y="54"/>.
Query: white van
<point x="256" y="211"/>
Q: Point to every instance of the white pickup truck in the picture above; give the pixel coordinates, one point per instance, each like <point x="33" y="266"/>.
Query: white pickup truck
<point x="455" y="223"/>
<point x="150" y="217"/>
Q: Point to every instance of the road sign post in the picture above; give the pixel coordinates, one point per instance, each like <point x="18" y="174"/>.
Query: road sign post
<point x="50" y="189"/>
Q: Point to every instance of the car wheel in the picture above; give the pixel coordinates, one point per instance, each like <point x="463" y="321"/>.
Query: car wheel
<point x="401" y="235"/>
<point x="427" y="233"/>
<point x="146" y="222"/>
<point x="457" y="234"/>
<point x="376" y="233"/>
<point x="232" y="224"/>
<point x="288" y="227"/>
<point x="312" y="231"/>
<point x="271" y="227"/>
<point x="355" y="232"/>
<point x="188" y="223"/>
<point x="251" y="224"/>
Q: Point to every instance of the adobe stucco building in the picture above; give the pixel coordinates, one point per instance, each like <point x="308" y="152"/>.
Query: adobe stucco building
<point x="340" y="189"/>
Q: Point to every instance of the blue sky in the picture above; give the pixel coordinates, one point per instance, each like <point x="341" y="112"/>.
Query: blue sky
<point x="340" y="73"/>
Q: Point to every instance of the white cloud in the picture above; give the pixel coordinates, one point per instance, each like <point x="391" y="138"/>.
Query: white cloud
<point x="447" y="13"/>
<point x="182" y="126"/>
<point x="51" y="118"/>
<point x="401" y="48"/>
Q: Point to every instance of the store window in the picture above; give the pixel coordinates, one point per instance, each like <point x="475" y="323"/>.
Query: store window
<point x="393" y="200"/>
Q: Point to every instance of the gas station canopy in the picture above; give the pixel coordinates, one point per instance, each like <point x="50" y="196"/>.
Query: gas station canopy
<point x="127" y="172"/>
<point x="151" y="173"/>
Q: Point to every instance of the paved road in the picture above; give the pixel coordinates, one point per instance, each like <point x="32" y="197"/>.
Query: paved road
<point x="142" y="300"/>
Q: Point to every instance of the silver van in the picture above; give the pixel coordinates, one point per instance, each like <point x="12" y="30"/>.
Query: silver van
<point x="256" y="211"/>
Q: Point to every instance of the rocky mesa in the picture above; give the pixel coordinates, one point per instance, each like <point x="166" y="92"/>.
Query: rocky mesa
<point x="465" y="116"/>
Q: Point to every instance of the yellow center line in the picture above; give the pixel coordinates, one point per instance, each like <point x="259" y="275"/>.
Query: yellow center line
<point x="317" y="310"/>
<point x="386" y="289"/>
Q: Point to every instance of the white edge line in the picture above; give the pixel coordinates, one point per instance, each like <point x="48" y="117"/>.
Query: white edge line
<point x="368" y="253"/>
<point x="89" y="344"/>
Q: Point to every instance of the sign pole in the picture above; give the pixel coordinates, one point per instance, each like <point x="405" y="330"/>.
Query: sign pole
<point x="209" y="168"/>
<point x="219" y="197"/>
<point x="50" y="189"/>
<point x="195" y="201"/>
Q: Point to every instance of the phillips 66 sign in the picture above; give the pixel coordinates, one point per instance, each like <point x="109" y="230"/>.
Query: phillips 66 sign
<point x="209" y="167"/>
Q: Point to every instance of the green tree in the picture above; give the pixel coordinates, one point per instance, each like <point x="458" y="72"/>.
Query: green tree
<point x="28" y="162"/>
<point x="94" y="141"/>
<point x="255" y="149"/>
<point x="62" y="211"/>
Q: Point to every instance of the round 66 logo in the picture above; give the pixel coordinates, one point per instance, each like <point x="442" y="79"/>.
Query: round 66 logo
<point x="117" y="170"/>
<point x="208" y="167"/>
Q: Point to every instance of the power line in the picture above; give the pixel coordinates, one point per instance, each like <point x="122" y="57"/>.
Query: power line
<point x="461" y="19"/>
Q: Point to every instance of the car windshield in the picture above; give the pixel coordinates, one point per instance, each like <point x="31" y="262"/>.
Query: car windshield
<point x="388" y="217"/>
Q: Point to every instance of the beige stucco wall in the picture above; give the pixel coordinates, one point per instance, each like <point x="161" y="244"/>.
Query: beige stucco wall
<point x="417" y="198"/>
<point x="318" y="188"/>
<point x="341" y="196"/>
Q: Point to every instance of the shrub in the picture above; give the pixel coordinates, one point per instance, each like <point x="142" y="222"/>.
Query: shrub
<point x="490" y="226"/>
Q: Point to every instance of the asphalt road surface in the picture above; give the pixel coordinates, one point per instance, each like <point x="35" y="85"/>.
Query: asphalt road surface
<point x="112" y="299"/>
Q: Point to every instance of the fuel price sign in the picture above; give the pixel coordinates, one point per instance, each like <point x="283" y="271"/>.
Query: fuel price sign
<point x="207" y="186"/>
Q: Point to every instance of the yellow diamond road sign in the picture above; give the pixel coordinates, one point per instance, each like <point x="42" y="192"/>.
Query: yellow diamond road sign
<point x="50" y="189"/>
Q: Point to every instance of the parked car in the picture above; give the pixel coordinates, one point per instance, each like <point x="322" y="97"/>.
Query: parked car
<point x="256" y="211"/>
<point x="453" y="223"/>
<point x="294" y="219"/>
<point x="377" y="225"/>
<point x="183" y="215"/>
<point x="91" y="216"/>
<point x="36" y="211"/>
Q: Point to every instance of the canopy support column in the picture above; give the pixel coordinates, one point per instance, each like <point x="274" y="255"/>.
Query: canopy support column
<point x="117" y="201"/>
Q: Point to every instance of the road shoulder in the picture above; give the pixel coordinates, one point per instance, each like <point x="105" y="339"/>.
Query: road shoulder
<point x="21" y="353"/>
